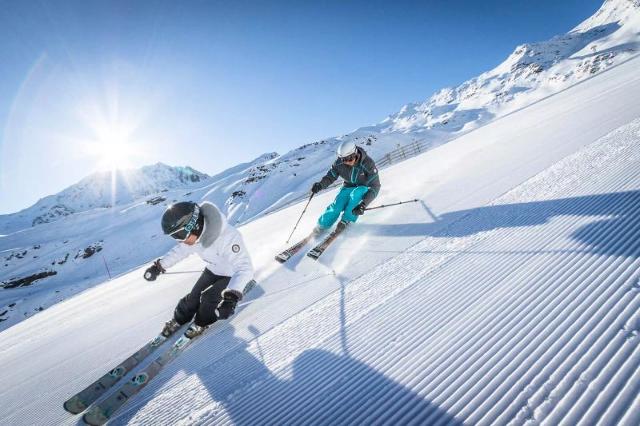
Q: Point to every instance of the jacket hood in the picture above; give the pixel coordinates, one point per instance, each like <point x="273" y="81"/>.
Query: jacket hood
<point x="214" y="222"/>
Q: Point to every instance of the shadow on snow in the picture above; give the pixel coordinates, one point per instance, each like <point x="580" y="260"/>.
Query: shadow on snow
<point x="318" y="387"/>
<point x="617" y="214"/>
<point x="330" y="388"/>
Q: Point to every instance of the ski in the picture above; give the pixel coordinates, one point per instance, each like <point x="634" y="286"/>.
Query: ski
<point x="100" y="413"/>
<point x="291" y="251"/>
<point x="83" y="399"/>
<point x="317" y="251"/>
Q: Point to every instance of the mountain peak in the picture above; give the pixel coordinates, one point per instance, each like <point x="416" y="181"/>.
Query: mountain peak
<point x="532" y="70"/>
<point x="612" y="11"/>
<point x="105" y="189"/>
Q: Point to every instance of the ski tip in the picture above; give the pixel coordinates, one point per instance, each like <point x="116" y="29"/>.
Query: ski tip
<point x="313" y="255"/>
<point x="95" y="417"/>
<point x="280" y="260"/>
<point x="74" y="405"/>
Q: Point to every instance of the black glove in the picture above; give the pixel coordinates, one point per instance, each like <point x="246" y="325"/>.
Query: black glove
<point x="227" y="305"/>
<point x="317" y="187"/>
<point x="359" y="209"/>
<point x="153" y="271"/>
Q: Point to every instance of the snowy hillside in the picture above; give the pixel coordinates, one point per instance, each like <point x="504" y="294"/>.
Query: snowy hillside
<point x="46" y="263"/>
<point x="509" y="295"/>
<point x="97" y="228"/>
<point x="532" y="72"/>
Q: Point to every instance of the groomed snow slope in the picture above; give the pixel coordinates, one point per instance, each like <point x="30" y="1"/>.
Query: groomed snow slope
<point x="511" y="294"/>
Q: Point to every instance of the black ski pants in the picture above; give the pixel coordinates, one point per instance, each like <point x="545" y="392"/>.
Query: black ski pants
<point x="203" y="299"/>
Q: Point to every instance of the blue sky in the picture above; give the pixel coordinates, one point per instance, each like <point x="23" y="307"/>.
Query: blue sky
<point x="214" y="83"/>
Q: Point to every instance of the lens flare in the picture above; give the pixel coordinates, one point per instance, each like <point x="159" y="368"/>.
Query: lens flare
<point x="113" y="148"/>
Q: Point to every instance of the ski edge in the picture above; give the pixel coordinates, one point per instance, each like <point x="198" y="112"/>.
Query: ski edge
<point x="87" y="396"/>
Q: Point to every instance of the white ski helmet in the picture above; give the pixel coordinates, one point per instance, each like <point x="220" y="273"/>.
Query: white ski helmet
<point x="346" y="148"/>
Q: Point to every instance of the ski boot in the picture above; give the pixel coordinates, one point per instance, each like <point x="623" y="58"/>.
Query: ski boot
<point x="317" y="231"/>
<point x="342" y="225"/>
<point x="194" y="330"/>
<point x="170" y="327"/>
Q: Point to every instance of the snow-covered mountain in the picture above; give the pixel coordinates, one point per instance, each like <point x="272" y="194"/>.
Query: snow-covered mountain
<point x="103" y="190"/>
<point x="510" y="295"/>
<point x="104" y="226"/>
<point x="532" y="72"/>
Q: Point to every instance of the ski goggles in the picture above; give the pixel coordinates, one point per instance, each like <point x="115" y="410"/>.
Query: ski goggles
<point x="349" y="158"/>
<point x="183" y="233"/>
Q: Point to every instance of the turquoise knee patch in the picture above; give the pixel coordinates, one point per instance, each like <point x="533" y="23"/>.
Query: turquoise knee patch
<point x="355" y="197"/>
<point x="333" y="211"/>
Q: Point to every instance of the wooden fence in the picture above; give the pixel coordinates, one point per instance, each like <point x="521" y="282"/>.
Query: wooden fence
<point x="402" y="153"/>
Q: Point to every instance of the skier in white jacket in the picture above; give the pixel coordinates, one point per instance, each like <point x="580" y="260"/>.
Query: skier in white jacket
<point x="204" y="230"/>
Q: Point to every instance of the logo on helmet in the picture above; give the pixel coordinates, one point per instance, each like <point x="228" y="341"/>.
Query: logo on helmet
<point x="193" y="221"/>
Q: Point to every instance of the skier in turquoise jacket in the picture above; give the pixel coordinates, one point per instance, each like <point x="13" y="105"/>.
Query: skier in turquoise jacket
<point x="361" y="185"/>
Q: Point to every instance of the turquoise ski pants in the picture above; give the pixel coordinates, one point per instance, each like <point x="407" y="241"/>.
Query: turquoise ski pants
<point x="346" y="200"/>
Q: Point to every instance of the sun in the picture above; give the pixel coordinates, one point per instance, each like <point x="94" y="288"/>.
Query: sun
<point x="112" y="148"/>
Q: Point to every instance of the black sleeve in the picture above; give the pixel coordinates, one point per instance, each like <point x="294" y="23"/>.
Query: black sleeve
<point x="330" y="177"/>
<point x="373" y="182"/>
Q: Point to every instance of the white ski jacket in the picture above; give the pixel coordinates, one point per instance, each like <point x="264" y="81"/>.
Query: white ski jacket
<point x="221" y="246"/>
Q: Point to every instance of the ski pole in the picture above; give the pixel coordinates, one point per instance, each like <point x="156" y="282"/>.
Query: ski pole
<point x="394" y="204"/>
<point x="305" y="209"/>
<point x="182" y="272"/>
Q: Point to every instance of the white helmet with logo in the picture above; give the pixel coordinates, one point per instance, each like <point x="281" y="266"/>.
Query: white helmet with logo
<point x="346" y="148"/>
